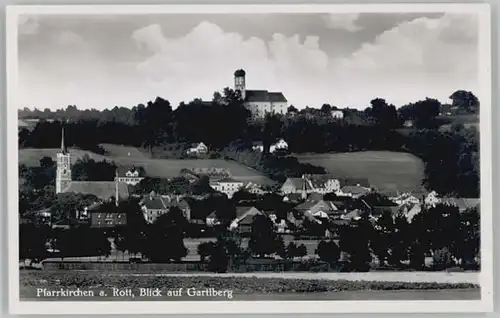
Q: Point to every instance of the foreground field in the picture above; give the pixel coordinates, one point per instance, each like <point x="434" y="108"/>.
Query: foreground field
<point x="161" y="168"/>
<point x="240" y="288"/>
<point x="386" y="170"/>
<point x="394" y="277"/>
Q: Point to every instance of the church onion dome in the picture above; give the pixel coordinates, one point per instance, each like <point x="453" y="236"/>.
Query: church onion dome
<point x="239" y="73"/>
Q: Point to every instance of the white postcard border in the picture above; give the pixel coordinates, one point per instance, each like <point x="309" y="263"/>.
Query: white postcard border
<point x="194" y="307"/>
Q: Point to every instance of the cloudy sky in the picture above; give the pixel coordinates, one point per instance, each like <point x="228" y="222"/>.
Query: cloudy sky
<point x="343" y="59"/>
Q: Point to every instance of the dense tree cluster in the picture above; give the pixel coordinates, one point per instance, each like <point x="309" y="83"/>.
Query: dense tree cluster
<point x="278" y="168"/>
<point x="423" y="113"/>
<point x="263" y="238"/>
<point x="466" y="101"/>
<point x="450" y="237"/>
<point x="451" y="160"/>
<point x="87" y="169"/>
<point x="156" y="124"/>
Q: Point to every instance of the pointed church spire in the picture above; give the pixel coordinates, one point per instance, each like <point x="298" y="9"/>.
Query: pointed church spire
<point x="63" y="146"/>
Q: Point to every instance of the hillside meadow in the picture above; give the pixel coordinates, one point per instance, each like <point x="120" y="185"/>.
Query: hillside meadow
<point x="386" y="170"/>
<point x="160" y="168"/>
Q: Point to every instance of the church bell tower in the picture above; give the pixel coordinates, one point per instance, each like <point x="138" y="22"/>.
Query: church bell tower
<point x="239" y="82"/>
<point x="63" y="171"/>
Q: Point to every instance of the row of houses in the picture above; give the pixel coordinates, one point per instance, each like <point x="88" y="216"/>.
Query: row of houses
<point x="316" y="209"/>
<point x="279" y="145"/>
<point x="295" y="188"/>
<point x="258" y="146"/>
<point x="353" y="187"/>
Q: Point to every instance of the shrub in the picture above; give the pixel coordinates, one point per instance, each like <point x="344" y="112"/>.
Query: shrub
<point x="205" y="249"/>
<point x="328" y="251"/>
<point x="442" y="259"/>
<point x="219" y="259"/>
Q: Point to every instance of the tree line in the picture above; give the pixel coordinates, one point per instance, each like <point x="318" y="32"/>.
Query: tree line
<point x="451" y="157"/>
<point x="449" y="237"/>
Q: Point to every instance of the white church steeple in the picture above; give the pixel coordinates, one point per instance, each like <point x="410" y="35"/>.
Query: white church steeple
<point x="239" y="82"/>
<point x="63" y="171"/>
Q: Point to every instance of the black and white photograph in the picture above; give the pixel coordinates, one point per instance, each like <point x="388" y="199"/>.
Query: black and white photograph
<point x="249" y="159"/>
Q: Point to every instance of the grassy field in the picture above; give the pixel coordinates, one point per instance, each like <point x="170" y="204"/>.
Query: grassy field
<point x="162" y="168"/>
<point x="386" y="170"/>
<point x="240" y="288"/>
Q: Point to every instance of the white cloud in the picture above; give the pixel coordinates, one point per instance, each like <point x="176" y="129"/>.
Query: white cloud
<point x="415" y="59"/>
<point x="343" y="21"/>
<point x="418" y="58"/>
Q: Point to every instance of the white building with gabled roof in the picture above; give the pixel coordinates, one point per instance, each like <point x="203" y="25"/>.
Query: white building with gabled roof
<point x="259" y="102"/>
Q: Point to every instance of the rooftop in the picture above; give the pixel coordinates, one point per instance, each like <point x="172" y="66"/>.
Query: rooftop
<point x="264" y="96"/>
<point x="122" y="170"/>
<point x="101" y="189"/>
<point x="299" y="183"/>
<point x="228" y="180"/>
<point x="159" y="202"/>
<point x="239" y="73"/>
<point x="356" y="190"/>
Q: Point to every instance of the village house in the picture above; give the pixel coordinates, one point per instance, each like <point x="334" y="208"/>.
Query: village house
<point x="408" y="123"/>
<point x="244" y="218"/>
<point x="103" y="215"/>
<point x="296" y="185"/>
<point x="337" y="114"/>
<point x="107" y="219"/>
<point x="322" y="183"/>
<point x="227" y="186"/>
<point x="410" y="210"/>
<point x="258" y="146"/>
<point x="280" y="145"/>
<point x="129" y="175"/>
<point x="282" y="226"/>
<point x="254" y="188"/>
<point x="354" y="187"/>
<point x="353" y="215"/>
<point x="212" y="220"/>
<point x="405" y="198"/>
<point x="197" y="149"/>
<point x="292" y="197"/>
<point x="343" y="204"/>
<point x="432" y="199"/>
<point x="319" y="209"/>
<point x="189" y="175"/>
<point x="259" y="102"/>
<point x="153" y="206"/>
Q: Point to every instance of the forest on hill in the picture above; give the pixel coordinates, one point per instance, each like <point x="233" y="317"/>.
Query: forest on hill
<point x="451" y="157"/>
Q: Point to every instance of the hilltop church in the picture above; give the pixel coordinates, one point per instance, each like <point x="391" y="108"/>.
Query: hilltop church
<point x="104" y="190"/>
<point x="259" y="102"/>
